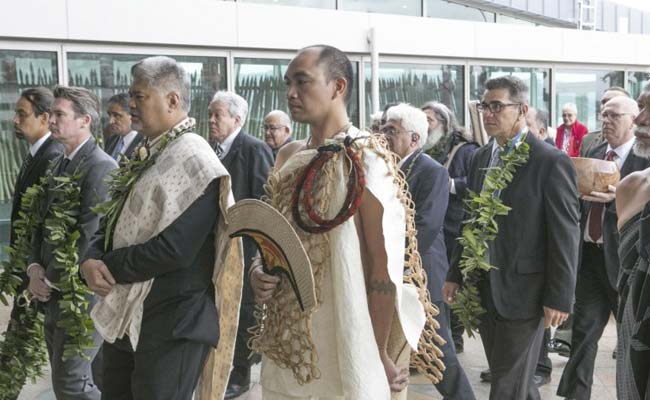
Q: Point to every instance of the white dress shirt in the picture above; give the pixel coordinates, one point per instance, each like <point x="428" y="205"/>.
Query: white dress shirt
<point x="227" y="143"/>
<point x="33" y="149"/>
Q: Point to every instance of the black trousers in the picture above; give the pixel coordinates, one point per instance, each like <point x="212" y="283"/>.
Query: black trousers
<point x="168" y="372"/>
<point x="455" y="384"/>
<point x="512" y="350"/>
<point x="595" y="301"/>
<point x="544" y="364"/>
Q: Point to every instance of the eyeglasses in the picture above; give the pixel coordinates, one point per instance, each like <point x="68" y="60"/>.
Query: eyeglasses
<point x="612" y="116"/>
<point x="495" y="107"/>
<point x="390" y="130"/>
<point x="270" y="127"/>
<point x="567" y="115"/>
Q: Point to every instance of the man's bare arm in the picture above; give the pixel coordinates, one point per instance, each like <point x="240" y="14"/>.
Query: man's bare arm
<point x="380" y="289"/>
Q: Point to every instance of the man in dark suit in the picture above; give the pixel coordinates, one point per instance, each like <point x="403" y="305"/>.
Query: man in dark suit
<point x="123" y="139"/>
<point x="596" y="295"/>
<point x="536" y="249"/>
<point x="248" y="160"/>
<point x="406" y="132"/>
<point x="173" y="243"/>
<point x="455" y="155"/>
<point x="31" y="122"/>
<point x="277" y="130"/>
<point x="74" y="112"/>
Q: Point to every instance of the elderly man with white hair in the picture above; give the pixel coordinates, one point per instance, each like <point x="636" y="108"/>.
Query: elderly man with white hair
<point x="406" y="131"/>
<point x="599" y="269"/>
<point x="248" y="160"/>
<point x="570" y="133"/>
<point x="277" y="130"/>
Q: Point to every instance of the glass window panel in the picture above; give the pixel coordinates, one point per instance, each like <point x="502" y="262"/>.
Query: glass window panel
<point x="636" y="81"/>
<point x="416" y="84"/>
<point x="537" y="79"/>
<point x="300" y="3"/>
<point x="402" y="7"/>
<point x="261" y="83"/>
<point x="584" y="88"/>
<point x="109" y="74"/>
<point x="19" y="70"/>
<point x="444" y="9"/>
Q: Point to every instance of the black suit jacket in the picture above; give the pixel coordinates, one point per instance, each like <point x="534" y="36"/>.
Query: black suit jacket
<point x="536" y="249"/>
<point x="111" y="143"/>
<point x="30" y="174"/>
<point x="610" y="220"/>
<point x="95" y="165"/>
<point x="181" y="258"/>
<point x="248" y="162"/>
<point x="428" y="183"/>
<point x="458" y="170"/>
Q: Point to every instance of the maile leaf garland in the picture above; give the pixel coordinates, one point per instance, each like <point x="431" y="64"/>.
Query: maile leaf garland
<point x="481" y="228"/>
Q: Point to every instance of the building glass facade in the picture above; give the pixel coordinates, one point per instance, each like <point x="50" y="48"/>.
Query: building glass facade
<point x="19" y="70"/>
<point x="537" y="79"/>
<point x="110" y="74"/>
<point x="584" y="88"/>
<point x="416" y="84"/>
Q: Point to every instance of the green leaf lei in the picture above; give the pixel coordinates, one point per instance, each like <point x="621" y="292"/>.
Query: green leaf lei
<point x="61" y="231"/>
<point x="480" y="229"/>
<point x="125" y="177"/>
<point x="22" y="350"/>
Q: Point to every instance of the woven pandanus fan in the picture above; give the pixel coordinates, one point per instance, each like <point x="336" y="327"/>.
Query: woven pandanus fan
<point x="279" y="245"/>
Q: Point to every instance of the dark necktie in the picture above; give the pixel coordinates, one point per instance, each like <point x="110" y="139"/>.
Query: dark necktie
<point x="596" y="211"/>
<point x="118" y="148"/>
<point x="219" y="150"/>
<point x="64" y="165"/>
<point x="27" y="160"/>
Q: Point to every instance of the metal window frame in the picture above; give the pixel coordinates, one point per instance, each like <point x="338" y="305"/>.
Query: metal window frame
<point x="62" y="48"/>
<point x="38" y="46"/>
<point x="139" y="50"/>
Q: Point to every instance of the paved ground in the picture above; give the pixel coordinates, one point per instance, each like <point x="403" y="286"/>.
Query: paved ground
<point x="473" y="361"/>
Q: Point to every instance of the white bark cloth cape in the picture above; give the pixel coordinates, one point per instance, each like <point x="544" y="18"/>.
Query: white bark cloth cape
<point x="180" y="175"/>
<point x="345" y="362"/>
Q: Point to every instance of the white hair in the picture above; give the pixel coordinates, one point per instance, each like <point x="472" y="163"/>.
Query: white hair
<point x="237" y="106"/>
<point x="411" y="119"/>
<point x="571" y="107"/>
<point x="165" y="75"/>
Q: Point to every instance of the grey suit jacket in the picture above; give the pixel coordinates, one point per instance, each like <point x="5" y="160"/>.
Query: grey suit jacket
<point x="95" y="166"/>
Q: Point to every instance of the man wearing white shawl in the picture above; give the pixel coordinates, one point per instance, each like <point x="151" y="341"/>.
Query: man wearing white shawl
<point x="341" y="350"/>
<point x="170" y="281"/>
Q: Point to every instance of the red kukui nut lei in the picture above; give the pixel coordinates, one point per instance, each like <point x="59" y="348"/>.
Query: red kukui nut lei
<point x="355" y="186"/>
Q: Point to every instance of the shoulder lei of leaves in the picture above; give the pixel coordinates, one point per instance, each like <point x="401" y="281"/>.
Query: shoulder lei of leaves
<point x="480" y="229"/>
<point x="125" y="177"/>
<point x="61" y="231"/>
<point x="22" y="350"/>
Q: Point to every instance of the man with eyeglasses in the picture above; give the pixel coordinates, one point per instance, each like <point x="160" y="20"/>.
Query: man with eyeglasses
<point x="535" y="251"/>
<point x="277" y="130"/>
<point x="593" y="139"/>
<point x="406" y="132"/>
<point x="596" y="296"/>
<point x="570" y="133"/>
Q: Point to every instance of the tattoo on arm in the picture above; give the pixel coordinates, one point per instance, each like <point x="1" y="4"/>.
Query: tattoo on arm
<point x="380" y="286"/>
